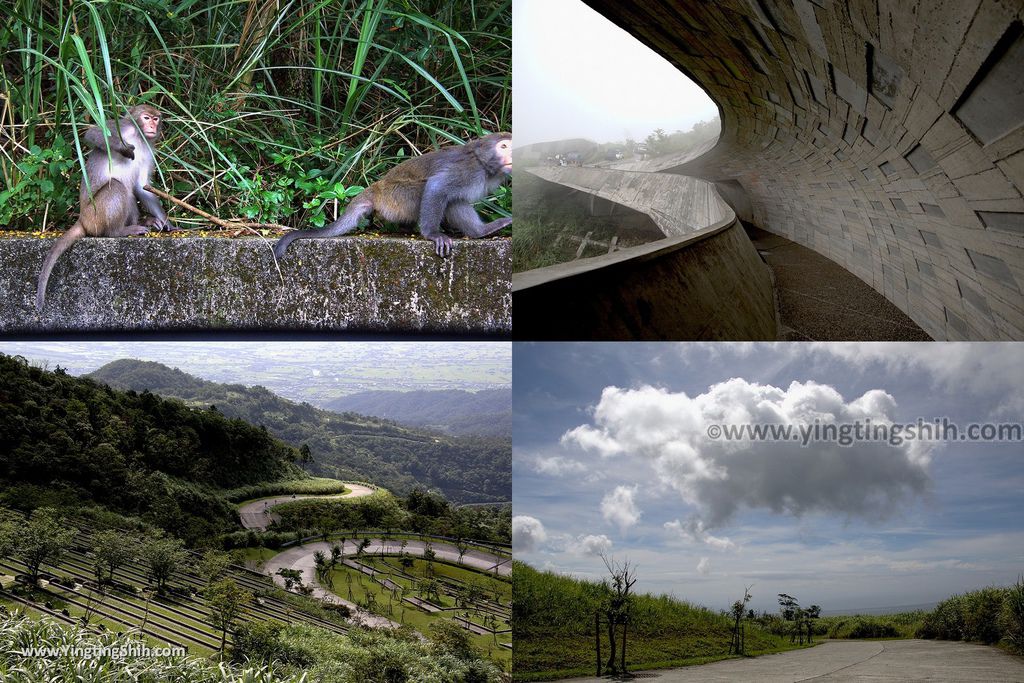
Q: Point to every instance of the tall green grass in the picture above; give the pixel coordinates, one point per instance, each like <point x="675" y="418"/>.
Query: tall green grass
<point x="275" y="108"/>
<point x="553" y="622"/>
<point x="990" y="615"/>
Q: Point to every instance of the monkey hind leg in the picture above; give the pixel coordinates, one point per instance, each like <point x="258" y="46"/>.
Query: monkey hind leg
<point x="357" y="210"/>
<point x="465" y="219"/>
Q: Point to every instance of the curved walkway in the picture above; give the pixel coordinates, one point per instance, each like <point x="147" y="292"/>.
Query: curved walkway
<point x="257" y="514"/>
<point x="679" y="205"/>
<point x="848" y="660"/>
<point x="301" y="559"/>
<point x="820" y="300"/>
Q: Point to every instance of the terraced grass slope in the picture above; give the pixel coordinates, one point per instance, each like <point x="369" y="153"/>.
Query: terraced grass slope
<point x="416" y="593"/>
<point x="181" y="617"/>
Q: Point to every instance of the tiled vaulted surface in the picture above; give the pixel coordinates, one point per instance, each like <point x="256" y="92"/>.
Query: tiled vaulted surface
<point x="885" y="134"/>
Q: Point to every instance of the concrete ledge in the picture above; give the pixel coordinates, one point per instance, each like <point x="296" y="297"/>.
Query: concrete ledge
<point x="355" y="285"/>
<point x="711" y="285"/>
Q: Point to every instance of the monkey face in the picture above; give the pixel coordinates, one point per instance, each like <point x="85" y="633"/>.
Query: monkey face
<point x="503" y="150"/>
<point x="148" y="120"/>
<point x="150" y="124"/>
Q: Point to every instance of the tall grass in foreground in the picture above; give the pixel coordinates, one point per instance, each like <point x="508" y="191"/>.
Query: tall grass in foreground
<point x="18" y="632"/>
<point x="275" y="108"/>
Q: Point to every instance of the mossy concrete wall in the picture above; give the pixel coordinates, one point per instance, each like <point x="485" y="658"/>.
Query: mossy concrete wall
<point x="354" y="285"/>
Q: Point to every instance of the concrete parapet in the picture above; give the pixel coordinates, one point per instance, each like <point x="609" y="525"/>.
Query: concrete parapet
<point x="678" y="205"/>
<point x="709" y="285"/>
<point x="354" y="285"/>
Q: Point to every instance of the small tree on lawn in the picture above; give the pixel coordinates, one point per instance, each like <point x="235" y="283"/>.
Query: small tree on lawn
<point x="462" y="547"/>
<point x="791" y="611"/>
<point x="110" y="552"/>
<point x="163" y="556"/>
<point x="213" y="565"/>
<point x="617" y="607"/>
<point x="737" y="614"/>
<point x="292" y="578"/>
<point x="227" y="603"/>
<point x="812" y="613"/>
<point x="42" y="540"/>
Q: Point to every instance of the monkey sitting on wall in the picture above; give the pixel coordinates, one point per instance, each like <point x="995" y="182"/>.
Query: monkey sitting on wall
<point x="436" y="186"/>
<point x="116" y="181"/>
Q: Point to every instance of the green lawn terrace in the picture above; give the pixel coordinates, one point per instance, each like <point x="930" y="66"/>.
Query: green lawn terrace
<point x="479" y="602"/>
<point x="387" y="582"/>
<point x="181" y="617"/>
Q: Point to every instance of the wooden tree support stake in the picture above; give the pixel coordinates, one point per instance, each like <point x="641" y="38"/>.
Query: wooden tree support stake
<point x="228" y="225"/>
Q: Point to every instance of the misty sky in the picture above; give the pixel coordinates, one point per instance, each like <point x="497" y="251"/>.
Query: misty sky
<point x="611" y="455"/>
<point x="575" y="74"/>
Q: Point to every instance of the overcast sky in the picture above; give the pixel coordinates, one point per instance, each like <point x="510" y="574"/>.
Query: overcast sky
<point x="611" y="455"/>
<point x="575" y="74"/>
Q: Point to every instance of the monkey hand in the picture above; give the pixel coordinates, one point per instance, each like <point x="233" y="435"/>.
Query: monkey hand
<point x="160" y="223"/>
<point x="442" y="244"/>
<point x="128" y="151"/>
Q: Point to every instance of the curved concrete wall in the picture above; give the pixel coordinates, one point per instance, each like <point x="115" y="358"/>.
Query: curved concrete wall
<point x="884" y="134"/>
<point x="678" y="205"/>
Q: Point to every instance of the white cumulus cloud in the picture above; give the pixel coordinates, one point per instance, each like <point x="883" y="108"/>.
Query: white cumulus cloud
<point x="669" y="429"/>
<point x="592" y="545"/>
<point x="619" y="508"/>
<point x="558" y="466"/>
<point x="704" y="566"/>
<point x="527" y="533"/>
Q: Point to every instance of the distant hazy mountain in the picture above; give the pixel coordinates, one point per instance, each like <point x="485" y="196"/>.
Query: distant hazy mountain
<point x="451" y="411"/>
<point x="344" y="445"/>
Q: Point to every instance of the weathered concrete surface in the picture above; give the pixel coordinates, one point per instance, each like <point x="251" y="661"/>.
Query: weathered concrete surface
<point x="710" y="285"/>
<point x="358" y="285"/>
<point x="887" y="135"/>
<point x="678" y="205"/>
<point x="891" y="660"/>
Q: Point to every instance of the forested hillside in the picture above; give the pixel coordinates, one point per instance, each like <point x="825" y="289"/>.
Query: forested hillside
<point x="68" y="440"/>
<point x="453" y="411"/>
<point x="343" y="445"/>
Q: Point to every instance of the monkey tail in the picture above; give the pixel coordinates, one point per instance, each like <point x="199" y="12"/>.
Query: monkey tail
<point x="360" y="207"/>
<point x="73" y="233"/>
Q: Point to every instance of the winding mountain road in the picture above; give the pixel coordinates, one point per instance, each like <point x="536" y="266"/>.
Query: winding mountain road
<point x="852" y="660"/>
<point x="258" y="515"/>
<point x="301" y="558"/>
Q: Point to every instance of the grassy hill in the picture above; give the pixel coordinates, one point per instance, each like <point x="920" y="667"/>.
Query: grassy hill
<point x="343" y="445"/>
<point x="553" y="622"/>
<point x="69" y="441"/>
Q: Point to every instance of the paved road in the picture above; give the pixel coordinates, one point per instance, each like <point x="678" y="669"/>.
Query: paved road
<point x="257" y="514"/>
<point x="877" y="661"/>
<point x="301" y="558"/>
